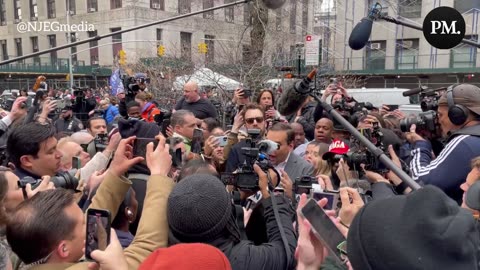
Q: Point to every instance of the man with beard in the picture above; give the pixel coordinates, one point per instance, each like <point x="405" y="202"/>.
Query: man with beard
<point x="67" y="123"/>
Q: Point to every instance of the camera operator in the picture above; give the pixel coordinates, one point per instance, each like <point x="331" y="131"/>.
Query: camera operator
<point x="210" y="220"/>
<point x="30" y="228"/>
<point x="459" y="120"/>
<point x="32" y="148"/>
<point x="84" y="103"/>
<point x="252" y="116"/>
<point x="67" y="123"/>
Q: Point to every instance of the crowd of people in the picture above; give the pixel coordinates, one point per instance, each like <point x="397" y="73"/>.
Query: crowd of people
<point x="232" y="198"/>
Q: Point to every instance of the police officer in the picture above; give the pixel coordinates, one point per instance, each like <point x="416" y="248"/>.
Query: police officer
<point x="67" y="123"/>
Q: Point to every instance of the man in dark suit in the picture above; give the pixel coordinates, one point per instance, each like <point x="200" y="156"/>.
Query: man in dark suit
<point x="284" y="158"/>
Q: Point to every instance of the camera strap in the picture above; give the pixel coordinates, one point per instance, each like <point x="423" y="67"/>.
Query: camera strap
<point x="280" y="228"/>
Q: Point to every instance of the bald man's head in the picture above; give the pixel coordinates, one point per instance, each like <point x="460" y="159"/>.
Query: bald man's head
<point x="190" y="92"/>
<point x="323" y="130"/>
<point x="81" y="137"/>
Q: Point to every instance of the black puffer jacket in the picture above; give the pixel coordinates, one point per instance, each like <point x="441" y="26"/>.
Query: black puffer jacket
<point x="306" y="120"/>
<point x="271" y="255"/>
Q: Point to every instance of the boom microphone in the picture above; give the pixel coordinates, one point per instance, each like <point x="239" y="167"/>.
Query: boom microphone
<point x="294" y="95"/>
<point x="413" y="91"/>
<point x="273" y="4"/>
<point x="360" y="34"/>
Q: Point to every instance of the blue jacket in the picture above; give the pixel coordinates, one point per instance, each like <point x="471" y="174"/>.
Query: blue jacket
<point x="451" y="167"/>
<point x="110" y="113"/>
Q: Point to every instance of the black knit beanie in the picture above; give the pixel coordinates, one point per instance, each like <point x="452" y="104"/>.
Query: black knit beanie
<point x="423" y="230"/>
<point x="199" y="209"/>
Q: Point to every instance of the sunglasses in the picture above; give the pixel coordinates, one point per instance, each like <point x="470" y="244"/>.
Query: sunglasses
<point x="251" y="120"/>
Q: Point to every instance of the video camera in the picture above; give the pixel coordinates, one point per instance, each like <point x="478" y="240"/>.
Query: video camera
<point x="101" y="142"/>
<point x="133" y="84"/>
<point x="245" y="178"/>
<point x="425" y="121"/>
<point x="163" y="120"/>
<point x="66" y="180"/>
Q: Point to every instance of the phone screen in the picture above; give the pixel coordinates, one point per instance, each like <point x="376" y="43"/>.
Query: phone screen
<point x="76" y="163"/>
<point x="197" y="141"/>
<point x="98" y="231"/>
<point x="392" y="108"/>
<point x="325" y="229"/>
<point x="140" y="146"/>
<point x="331" y="197"/>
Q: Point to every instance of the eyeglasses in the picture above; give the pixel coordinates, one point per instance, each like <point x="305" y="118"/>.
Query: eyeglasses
<point x="251" y="120"/>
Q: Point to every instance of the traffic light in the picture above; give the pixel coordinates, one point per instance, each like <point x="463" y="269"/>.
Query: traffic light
<point x="122" y="57"/>
<point x="203" y="48"/>
<point x="161" y="50"/>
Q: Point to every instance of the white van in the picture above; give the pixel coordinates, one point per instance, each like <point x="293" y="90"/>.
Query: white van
<point x="379" y="96"/>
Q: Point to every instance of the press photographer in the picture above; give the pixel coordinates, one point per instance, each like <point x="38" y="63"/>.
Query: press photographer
<point x="459" y="120"/>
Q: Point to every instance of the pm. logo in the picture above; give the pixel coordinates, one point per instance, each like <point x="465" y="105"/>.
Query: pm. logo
<point x="444" y="27"/>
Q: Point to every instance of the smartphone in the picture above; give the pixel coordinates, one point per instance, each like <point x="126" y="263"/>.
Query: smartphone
<point x="197" y="141"/>
<point x="269" y="107"/>
<point x="392" y="107"/>
<point x="325" y="230"/>
<point x="222" y="140"/>
<point x="140" y="146"/>
<point x="240" y="107"/>
<point x="333" y="199"/>
<point x="247" y="93"/>
<point x="98" y="231"/>
<point x="76" y="163"/>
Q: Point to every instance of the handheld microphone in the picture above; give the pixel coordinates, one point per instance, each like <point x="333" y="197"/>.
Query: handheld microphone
<point x="294" y="95"/>
<point x="361" y="32"/>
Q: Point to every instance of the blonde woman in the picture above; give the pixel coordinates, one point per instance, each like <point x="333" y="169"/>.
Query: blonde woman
<point x="322" y="170"/>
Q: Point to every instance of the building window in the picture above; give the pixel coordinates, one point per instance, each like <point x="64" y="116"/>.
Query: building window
<point x="410" y="8"/>
<point x="159" y="36"/>
<point x="34" y="41"/>
<point x="157" y="4"/>
<point x="18" y="48"/>
<point x="278" y="19"/>
<point x="115" y="4"/>
<point x="184" y="6"/>
<point x="407" y="53"/>
<point x="3" y="13"/>
<point x="305" y="17"/>
<point x="375" y="55"/>
<point x="52" y="43"/>
<point x="73" y="38"/>
<point x="93" y="48"/>
<point x="33" y="10"/>
<point x="247" y="13"/>
<point x="464" y="56"/>
<point x="293" y="15"/>
<point x="229" y="12"/>
<point x="92" y="6"/>
<point x="209" y="14"/>
<point x="17" y="10"/>
<point x="70" y="4"/>
<point x="4" y="49"/>
<point x="210" y="41"/>
<point x="186" y="45"/>
<point x="51" y="9"/>
<point x="116" y="41"/>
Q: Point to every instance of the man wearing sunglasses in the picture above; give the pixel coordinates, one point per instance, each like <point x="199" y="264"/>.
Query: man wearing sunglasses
<point x="254" y="118"/>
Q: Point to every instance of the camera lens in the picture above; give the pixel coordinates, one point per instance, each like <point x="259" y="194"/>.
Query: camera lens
<point x="65" y="180"/>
